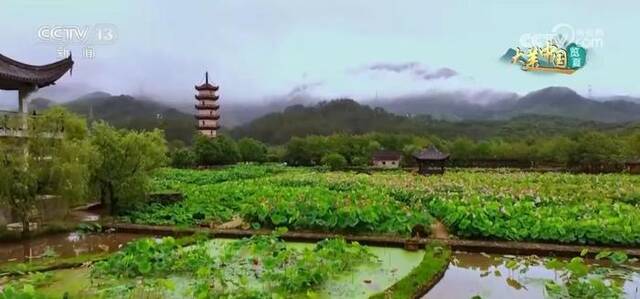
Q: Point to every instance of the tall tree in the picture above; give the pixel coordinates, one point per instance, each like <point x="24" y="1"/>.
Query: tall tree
<point x="53" y="159"/>
<point x="252" y="150"/>
<point x="125" y="162"/>
<point x="221" y="150"/>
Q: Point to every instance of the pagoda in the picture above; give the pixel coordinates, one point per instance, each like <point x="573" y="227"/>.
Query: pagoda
<point x="207" y="108"/>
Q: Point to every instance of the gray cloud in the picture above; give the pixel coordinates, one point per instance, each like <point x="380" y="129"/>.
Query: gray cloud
<point x="415" y="69"/>
<point x="394" y="67"/>
<point x="443" y="73"/>
<point x="303" y="88"/>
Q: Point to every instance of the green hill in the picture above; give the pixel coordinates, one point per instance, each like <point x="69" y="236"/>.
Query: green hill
<point x="128" y="112"/>
<point x="348" y="116"/>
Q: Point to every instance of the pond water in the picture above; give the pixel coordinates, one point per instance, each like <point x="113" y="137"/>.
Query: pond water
<point x="487" y="276"/>
<point x="468" y="275"/>
<point x="361" y="283"/>
<point x="64" y="245"/>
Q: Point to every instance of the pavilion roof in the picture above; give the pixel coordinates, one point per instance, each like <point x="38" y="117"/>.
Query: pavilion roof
<point x="386" y="155"/>
<point x="431" y="153"/>
<point x="15" y="75"/>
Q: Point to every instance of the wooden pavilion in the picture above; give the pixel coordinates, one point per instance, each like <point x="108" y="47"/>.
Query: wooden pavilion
<point x="431" y="160"/>
<point x="27" y="78"/>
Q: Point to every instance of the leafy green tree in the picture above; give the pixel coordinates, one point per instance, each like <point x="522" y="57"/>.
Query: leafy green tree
<point x="462" y="149"/>
<point x="596" y="147"/>
<point x="252" y="150"/>
<point x="221" y="150"/>
<point x="54" y="159"/>
<point x="276" y="153"/>
<point x="306" y="151"/>
<point x="334" y="161"/>
<point x="183" y="158"/>
<point x="126" y="161"/>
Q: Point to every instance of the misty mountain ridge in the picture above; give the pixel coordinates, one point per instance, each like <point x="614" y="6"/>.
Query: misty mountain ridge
<point x="461" y="107"/>
<point x="550" y="101"/>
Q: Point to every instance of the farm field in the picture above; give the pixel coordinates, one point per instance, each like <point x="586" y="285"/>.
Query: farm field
<point x="472" y="204"/>
<point x="502" y="205"/>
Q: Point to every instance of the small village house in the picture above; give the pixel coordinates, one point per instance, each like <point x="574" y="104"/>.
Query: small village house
<point x="386" y="159"/>
<point x="633" y="167"/>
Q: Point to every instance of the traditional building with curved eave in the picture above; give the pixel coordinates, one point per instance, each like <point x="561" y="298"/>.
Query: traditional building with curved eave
<point x="207" y="106"/>
<point x="431" y="160"/>
<point x="27" y="78"/>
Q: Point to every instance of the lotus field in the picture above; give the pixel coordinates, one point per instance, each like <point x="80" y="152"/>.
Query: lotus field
<point x="503" y="205"/>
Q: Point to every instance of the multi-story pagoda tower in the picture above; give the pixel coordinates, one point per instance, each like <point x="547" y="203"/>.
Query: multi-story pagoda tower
<point x="207" y="108"/>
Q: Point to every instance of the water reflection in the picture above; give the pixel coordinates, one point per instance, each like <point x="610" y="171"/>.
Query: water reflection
<point x="64" y="245"/>
<point x="495" y="276"/>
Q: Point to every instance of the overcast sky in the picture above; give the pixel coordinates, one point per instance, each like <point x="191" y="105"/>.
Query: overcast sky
<point x="259" y="49"/>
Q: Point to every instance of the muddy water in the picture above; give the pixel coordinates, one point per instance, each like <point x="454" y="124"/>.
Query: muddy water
<point x="472" y="274"/>
<point x="64" y="245"/>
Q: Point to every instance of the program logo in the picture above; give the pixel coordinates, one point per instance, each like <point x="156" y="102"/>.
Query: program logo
<point x="550" y="58"/>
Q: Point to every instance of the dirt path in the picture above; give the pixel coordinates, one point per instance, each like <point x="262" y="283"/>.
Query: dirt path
<point x="439" y="230"/>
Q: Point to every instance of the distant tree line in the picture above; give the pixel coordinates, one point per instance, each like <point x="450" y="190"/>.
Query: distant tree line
<point x="345" y="116"/>
<point x="583" y="148"/>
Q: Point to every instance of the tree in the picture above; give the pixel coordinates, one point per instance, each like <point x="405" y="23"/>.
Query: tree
<point x="183" y="158"/>
<point x="334" y="161"/>
<point x="252" y="150"/>
<point x="221" y="150"/>
<point x="53" y="160"/>
<point x="594" y="147"/>
<point x="126" y="161"/>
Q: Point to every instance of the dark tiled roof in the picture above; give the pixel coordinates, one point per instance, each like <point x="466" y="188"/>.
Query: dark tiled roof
<point x="386" y="155"/>
<point x="207" y="86"/>
<point x="15" y="75"/>
<point x="431" y="153"/>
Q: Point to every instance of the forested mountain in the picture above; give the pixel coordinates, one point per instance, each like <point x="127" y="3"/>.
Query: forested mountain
<point x="553" y="110"/>
<point x="347" y="116"/>
<point x="551" y="101"/>
<point x="128" y="112"/>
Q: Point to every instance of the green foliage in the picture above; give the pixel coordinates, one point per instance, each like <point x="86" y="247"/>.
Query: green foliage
<point x="436" y="259"/>
<point x="274" y="196"/>
<point x="334" y="161"/>
<point x="221" y="150"/>
<point x="183" y="158"/>
<point x="252" y="150"/>
<point x="54" y="160"/>
<point x="553" y="207"/>
<point x="126" y="160"/>
<point x="26" y="292"/>
<point x="582" y="280"/>
<point x="254" y="267"/>
<point x="151" y="258"/>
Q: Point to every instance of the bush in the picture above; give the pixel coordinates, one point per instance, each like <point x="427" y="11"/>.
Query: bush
<point x="334" y="161"/>
<point x="183" y="158"/>
<point x="215" y="151"/>
<point x="252" y="150"/>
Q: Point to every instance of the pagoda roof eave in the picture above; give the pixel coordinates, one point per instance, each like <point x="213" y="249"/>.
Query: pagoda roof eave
<point x="16" y="75"/>
<point x="206" y="86"/>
